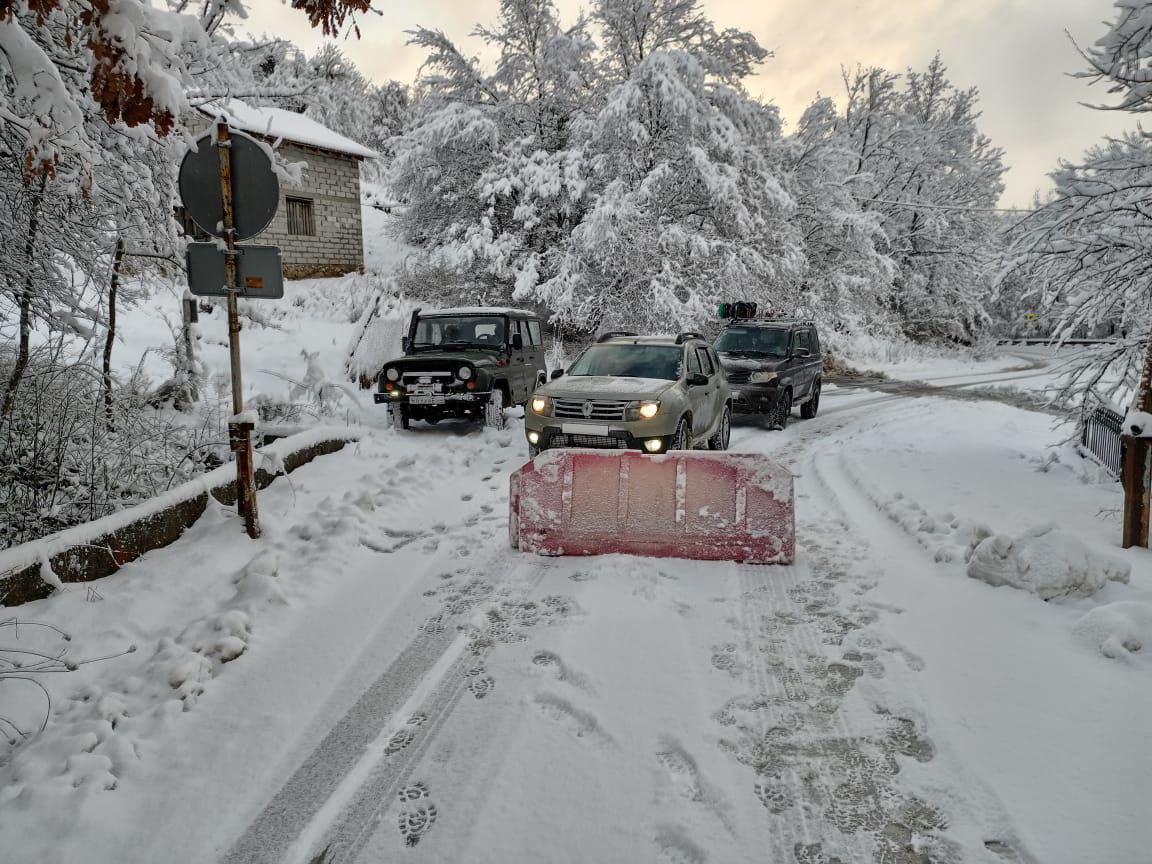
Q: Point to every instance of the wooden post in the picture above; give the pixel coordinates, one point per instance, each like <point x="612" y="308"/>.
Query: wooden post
<point x="239" y="434"/>
<point x="1135" y="478"/>
<point x="1136" y="469"/>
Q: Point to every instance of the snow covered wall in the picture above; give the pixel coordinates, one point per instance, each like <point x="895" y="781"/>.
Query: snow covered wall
<point x="97" y="549"/>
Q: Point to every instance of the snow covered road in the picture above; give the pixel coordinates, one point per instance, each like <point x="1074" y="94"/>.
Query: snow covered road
<point x="415" y="690"/>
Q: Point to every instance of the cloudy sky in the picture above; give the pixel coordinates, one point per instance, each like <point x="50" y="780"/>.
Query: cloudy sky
<point x="1016" y="52"/>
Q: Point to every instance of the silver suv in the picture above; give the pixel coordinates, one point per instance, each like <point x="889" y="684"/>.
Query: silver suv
<point x="647" y="393"/>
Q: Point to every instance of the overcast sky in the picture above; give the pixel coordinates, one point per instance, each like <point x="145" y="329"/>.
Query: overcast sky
<point x="1016" y="52"/>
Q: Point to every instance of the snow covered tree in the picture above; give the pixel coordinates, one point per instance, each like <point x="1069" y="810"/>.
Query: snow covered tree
<point x="1086" y="253"/>
<point x="632" y="181"/>
<point x="847" y="278"/>
<point x="486" y="171"/>
<point x="688" y="207"/>
<point x="925" y="168"/>
<point x="1087" y="248"/>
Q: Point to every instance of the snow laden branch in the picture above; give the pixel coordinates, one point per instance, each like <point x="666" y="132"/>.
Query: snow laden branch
<point x="616" y="173"/>
<point x="30" y="650"/>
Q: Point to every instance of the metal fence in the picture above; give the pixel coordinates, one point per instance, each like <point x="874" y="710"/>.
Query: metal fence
<point x="1101" y="438"/>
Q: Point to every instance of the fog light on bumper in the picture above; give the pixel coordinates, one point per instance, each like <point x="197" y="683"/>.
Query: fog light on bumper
<point x="533" y="437"/>
<point x="654" y="445"/>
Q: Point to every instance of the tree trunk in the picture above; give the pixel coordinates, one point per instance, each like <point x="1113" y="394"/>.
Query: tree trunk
<point x="25" y="304"/>
<point x="110" y="338"/>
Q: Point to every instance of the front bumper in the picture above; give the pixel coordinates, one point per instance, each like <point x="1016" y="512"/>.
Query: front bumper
<point x="754" y="398"/>
<point x="449" y="400"/>
<point x="555" y="432"/>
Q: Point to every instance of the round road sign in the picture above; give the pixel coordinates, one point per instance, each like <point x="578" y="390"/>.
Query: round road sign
<point x="255" y="189"/>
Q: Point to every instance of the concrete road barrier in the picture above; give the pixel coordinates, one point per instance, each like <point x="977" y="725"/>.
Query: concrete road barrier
<point x="683" y="504"/>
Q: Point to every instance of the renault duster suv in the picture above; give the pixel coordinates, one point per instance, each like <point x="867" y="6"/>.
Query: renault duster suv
<point x="629" y="392"/>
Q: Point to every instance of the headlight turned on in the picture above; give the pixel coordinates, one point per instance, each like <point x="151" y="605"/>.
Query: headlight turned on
<point x="540" y="404"/>
<point x="641" y="410"/>
<point x="763" y="377"/>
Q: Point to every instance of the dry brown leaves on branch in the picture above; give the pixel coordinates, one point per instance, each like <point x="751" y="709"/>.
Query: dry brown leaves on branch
<point x="330" y="15"/>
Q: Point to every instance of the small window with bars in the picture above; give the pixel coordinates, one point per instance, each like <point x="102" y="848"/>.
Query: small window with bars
<point x="300" y="219"/>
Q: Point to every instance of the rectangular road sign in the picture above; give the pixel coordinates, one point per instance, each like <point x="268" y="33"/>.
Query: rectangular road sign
<point x="259" y="271"/>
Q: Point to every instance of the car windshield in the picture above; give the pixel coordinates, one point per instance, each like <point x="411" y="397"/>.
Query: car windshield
<point x="767" y="341"/>
<point x="630" y="361"/>
<point x="479" y="330"/>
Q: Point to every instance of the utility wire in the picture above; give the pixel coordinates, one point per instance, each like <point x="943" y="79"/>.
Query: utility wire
<point x="917" y="206"/>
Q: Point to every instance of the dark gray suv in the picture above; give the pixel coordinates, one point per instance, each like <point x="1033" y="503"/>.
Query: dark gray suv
<point x="772" y="364"/>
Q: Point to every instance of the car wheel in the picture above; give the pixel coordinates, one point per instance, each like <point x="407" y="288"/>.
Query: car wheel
<point x="680" y="438"/>
<point x="494" y="410"/>
<point x="723" y="435"/>
<point x="808" y="409"/>
<point x="783" y="409"/>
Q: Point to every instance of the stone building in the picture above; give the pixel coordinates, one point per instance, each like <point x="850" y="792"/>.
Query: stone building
<point x="317" y="225"/>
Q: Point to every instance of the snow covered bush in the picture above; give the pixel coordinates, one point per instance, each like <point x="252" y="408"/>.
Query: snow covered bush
<point x="64" y="459"/>
<point x="1117" y="630"/>
<point x="1045" y="562"/>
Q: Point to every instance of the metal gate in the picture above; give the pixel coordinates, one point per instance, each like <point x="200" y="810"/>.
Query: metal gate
<point x="1101" y="437"/>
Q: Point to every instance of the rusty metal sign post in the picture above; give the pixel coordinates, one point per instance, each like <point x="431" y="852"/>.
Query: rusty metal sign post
<point x="239" y="433"/>
<point x="223" y="165"/>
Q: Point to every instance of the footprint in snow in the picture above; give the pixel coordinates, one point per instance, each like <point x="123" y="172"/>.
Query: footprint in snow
<point x="674" y="847"/>
<point x="577" y="723"/>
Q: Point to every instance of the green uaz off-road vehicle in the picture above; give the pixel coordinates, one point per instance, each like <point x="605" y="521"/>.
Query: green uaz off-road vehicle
<point x="469" y="363"/>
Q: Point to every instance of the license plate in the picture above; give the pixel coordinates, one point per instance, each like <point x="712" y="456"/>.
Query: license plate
<point x="425" y="400"/>
<point x="583" y="429"/>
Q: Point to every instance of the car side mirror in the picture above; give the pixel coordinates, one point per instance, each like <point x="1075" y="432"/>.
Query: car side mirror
<point x="405" y="344"/>
<point x="517" y="342"/>
<point x="697" y="379"/>
<point x="556" y="373"/>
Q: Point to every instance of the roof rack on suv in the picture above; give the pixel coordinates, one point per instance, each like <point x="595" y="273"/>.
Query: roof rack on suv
<point x="612" y="334"/>
<point x="689" y="334"/>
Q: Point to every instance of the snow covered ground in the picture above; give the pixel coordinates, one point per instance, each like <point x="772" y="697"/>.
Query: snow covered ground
<point x="381" y="676"/>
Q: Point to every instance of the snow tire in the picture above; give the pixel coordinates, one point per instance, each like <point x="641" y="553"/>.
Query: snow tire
<point x="808" y="409"/>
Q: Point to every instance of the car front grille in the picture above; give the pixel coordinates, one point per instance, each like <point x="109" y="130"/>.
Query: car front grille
<point x="410" y="378"/>
<point x="601" y="409"/>
<point x="598" y="442"/>
<point x="737" y="376"/>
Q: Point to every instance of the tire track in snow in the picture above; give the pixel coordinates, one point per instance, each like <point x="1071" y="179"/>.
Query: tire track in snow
<point x="824" y="759"/>
<point x="431" y="667"/>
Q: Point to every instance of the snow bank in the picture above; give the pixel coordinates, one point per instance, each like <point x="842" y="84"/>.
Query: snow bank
<point x="376" y="339"/>
<point x="43" y="552"/>
<point x="1117" y="630"/>
<point x="1044" y="562"/>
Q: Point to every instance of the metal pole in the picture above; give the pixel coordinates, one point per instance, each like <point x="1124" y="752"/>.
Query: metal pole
<point x="239" y="434"/>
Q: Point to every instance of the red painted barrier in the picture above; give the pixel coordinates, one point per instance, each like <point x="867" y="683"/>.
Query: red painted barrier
<point x="683" y="504"/>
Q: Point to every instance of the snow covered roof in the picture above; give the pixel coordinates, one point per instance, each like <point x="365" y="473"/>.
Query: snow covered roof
<point x="478" y="310"/>
<point x="277" y="123"/>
